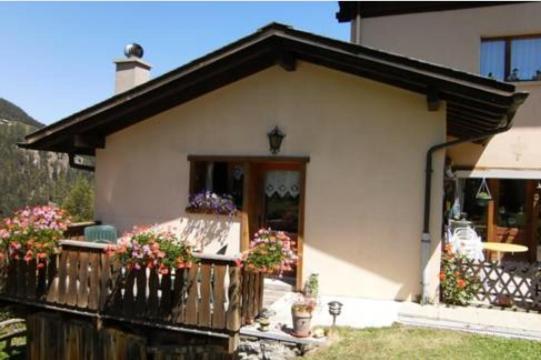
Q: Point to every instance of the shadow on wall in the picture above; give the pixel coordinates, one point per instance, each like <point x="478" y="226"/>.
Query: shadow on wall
<point x="216" y="234"/>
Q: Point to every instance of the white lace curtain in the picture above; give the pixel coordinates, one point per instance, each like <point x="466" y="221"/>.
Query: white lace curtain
<point x="283" y="183"/>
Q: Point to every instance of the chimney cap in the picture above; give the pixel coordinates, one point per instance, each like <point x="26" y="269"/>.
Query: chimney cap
<point x="133" y="50"/>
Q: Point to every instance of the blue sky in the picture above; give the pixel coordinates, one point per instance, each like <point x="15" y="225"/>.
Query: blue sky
<point x="56" y="58"/>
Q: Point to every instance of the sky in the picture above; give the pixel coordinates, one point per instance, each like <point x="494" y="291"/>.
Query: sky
<point x="57" y="58"/>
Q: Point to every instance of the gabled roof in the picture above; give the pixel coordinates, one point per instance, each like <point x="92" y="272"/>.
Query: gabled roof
<point x="474" y="104"/>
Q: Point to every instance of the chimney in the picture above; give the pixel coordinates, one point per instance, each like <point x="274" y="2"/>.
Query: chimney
<point x="132" y="70"/>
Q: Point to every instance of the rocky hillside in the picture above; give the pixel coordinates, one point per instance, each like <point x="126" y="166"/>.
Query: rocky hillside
<point x="35" y="177"/>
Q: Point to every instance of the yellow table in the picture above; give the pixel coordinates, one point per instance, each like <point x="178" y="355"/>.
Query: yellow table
<point x="504" y="247"/>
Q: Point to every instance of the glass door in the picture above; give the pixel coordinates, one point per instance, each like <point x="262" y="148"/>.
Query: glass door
<point x="277" y="203"/>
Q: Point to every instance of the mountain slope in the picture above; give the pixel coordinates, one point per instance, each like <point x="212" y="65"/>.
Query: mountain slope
<point x="11" y="112"/>
<point x="29" y="177"/>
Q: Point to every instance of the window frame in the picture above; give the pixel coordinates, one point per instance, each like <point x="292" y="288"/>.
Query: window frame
<point x="508" y="39"/>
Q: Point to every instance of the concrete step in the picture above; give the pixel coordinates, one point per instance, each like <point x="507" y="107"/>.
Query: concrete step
<point x="277" y="284"/>
<point x="274" y="290"/>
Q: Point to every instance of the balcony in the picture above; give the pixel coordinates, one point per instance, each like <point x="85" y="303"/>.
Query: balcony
<point x="214" y="297"/>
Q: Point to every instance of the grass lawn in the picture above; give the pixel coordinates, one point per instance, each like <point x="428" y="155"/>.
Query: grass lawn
<point x="402" y="342"/>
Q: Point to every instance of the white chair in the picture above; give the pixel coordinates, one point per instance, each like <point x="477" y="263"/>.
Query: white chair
<point x="465" y="241"/>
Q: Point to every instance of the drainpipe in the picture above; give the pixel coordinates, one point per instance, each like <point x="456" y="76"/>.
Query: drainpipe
<point x="426" y="239"/>
<point x="74" y="165"/>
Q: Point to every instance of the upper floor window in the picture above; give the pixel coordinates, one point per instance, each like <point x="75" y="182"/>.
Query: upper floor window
<point x="511" y="58"/>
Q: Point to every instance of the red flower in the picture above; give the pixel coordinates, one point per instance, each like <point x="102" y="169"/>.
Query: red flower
<point x="163" y="270"/>
<point x="442" y="276"/>
<point x="238" y="263"/>
<point x="461" y="283"/>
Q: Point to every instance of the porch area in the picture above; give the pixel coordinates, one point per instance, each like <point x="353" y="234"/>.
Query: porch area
<point x="493" y="215"/>
<point x="212" y="299"/>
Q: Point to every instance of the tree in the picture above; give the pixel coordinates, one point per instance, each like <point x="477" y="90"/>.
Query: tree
<point x="79" y="201"/>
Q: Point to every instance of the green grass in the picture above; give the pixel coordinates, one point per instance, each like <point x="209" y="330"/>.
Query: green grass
<point x="402" y="342"/>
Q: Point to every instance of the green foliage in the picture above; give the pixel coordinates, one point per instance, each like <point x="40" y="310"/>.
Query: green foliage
<point x="311" y="288"/>
<point x="29" y="178"/>
<point x="79" y="200"/>
<point x="145" y="247"/>
<point x="458" y="286"/>
<point x="270" y="252"/>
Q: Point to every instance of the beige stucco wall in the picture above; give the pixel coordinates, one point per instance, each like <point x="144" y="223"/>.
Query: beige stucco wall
<point x="453" y="38"/>
<point x="364" y="187"/>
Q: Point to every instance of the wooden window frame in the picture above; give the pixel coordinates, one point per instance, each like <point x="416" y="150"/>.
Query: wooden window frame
<point x="507" y="51"/>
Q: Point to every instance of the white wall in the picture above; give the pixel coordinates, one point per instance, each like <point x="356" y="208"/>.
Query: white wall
<point x="453" y="38"/>
<point x="364" y="184"/>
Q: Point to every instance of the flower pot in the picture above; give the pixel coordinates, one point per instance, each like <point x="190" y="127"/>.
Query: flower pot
<point x="301" y="323"/>
<point x="264" y="325"/>
<point x="482" y="202"/>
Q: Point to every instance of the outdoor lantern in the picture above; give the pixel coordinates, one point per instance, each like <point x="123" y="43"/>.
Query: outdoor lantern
<point x="275" y="139"/>
<point x="335" y="309"/>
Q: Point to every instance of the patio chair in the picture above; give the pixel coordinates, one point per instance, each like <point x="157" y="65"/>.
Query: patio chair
<point x="465" y="241"/>
<point x="105" y="234"/>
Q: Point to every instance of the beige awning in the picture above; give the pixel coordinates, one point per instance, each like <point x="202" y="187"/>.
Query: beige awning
<point x="528" y="174"/>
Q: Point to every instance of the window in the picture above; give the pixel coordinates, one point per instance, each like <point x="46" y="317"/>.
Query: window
<point x="220" y="177"/>
<point x="511" y="58"/>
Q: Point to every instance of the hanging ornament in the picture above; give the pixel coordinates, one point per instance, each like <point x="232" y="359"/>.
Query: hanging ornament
<point x="483" y="194"/>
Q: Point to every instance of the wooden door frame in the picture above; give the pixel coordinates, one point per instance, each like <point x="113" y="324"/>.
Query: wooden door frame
<point x="531" y="208"/>
<point x="248" y="193"/>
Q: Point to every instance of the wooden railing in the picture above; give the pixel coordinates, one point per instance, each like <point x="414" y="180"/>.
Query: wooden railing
<point x="214" y="294"/>
<point x="507" y="283"/>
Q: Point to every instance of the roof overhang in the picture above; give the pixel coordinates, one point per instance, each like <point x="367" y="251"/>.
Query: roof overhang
<point x="475" y="105"/>
<point x="367" y="9"/>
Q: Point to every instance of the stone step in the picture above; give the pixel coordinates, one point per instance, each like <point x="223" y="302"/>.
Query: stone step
<point x="274" y="290"/>
<point x="277" y="284"/>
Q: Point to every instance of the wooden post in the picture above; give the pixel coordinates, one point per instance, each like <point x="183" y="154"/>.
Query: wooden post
<point x="233" y="321"/>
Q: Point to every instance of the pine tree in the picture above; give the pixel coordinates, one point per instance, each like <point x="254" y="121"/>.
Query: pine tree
<point x="79" y="202"/>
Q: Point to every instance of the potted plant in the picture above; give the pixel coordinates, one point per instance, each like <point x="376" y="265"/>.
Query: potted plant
<point x="311" y="288"/>
<point x="264" y="324"/>
<point x="483" y="198"/>
<point x="270" y="252"/>
<point x="301" y="312"/>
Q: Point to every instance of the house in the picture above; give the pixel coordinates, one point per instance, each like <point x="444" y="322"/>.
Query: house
<point x="348" y="181"/>
<point x="501" y="40"/>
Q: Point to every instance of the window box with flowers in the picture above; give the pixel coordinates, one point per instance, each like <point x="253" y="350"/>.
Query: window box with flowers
<point x="32" y="234"/>
<point x="270" y="253"/>
<point x="207" y="202"/>
<point x="153" y="249"/>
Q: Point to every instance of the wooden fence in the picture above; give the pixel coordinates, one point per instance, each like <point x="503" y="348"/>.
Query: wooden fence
<point x="213" y="295"/>
<point x="507" y="283"/>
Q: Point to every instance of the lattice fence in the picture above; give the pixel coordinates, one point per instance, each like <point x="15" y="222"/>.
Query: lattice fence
<point x="507" y="284"/>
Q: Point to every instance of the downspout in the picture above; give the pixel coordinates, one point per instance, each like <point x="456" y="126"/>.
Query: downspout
<point x="74" y="165"/>
<point x="426" y="239"/>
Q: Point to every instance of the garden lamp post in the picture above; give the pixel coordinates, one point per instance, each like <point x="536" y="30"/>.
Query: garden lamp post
<point x="335" y="309"/>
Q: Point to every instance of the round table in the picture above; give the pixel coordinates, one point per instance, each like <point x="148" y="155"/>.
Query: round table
<point x="504" y="247"/>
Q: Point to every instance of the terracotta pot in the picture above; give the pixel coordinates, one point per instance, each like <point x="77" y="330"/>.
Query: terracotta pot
<point x="301" y="323"/>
